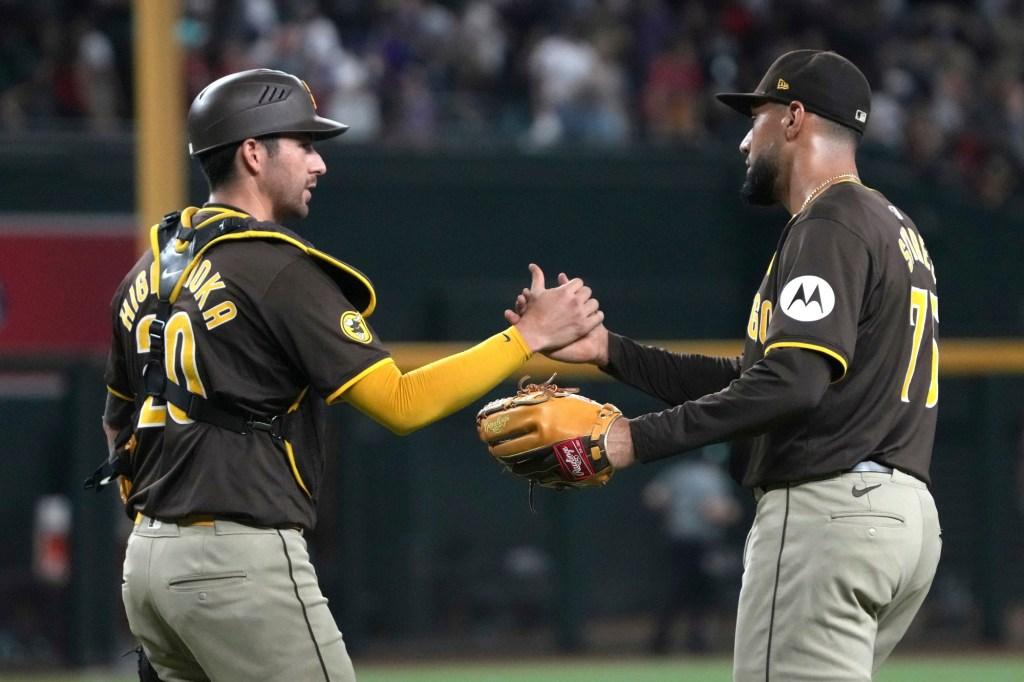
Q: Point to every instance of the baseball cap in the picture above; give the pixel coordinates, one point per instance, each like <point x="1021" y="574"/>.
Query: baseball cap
<point x="826" y="83"/>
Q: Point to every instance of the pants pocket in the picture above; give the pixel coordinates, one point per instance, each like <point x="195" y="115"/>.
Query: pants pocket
<point x="873" y="517"/>
<point x="206" y="581"/>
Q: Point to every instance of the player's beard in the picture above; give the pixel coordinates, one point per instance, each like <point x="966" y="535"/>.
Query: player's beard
<point x="759" y="187"/>
<point x="289" y="204"/>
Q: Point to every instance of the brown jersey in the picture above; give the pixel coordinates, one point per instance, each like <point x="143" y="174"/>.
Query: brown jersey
<point x="851" y="279"/>
<point x="259" y="325"/>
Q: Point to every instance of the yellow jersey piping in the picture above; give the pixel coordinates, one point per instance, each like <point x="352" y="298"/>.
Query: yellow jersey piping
<point x="295" y="469"/>
<point x="810" y="346"/>
<point x="120" y="395"/>
<point x="331" y="399"/>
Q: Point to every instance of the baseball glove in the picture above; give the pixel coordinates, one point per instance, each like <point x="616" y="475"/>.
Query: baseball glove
<point x="549" y="435"/>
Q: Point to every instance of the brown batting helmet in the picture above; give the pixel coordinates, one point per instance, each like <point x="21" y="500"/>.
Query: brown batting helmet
<point x="254" y="103"/>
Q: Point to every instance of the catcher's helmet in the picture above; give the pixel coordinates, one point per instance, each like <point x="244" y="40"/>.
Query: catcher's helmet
<point x="254" y="103"/>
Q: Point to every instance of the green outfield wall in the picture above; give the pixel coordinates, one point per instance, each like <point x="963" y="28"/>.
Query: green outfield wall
<point x="423" y="535"/>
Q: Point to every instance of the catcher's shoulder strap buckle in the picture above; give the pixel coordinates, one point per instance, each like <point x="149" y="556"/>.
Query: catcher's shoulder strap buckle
<point x="154" y="376"/>
<point x="274" y="426"/>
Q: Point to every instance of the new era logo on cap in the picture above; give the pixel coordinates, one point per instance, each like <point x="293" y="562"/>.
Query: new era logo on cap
<point x="782" y="85"/>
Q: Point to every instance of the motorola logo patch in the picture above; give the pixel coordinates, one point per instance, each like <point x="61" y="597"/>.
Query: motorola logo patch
<point x="807" y="298"/>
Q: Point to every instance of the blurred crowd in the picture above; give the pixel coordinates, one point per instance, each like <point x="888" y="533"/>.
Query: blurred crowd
<point x="948" y="76"/>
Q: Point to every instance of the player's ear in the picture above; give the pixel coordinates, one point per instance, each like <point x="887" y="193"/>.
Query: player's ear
<point x="250" y="155"/>
<point x="794" y="119"/>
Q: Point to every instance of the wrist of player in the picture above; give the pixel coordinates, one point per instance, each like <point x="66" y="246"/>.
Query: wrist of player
<point x="618" y="444"/>
<point x="539" y="338"/>
<point x="535" y="339"/>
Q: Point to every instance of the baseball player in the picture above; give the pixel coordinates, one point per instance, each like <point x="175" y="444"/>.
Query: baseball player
<point x="228" y="338"/>
<point x="834" y="396"/>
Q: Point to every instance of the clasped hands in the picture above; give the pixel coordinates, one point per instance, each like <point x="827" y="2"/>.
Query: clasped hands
<point x="565" y="323"/>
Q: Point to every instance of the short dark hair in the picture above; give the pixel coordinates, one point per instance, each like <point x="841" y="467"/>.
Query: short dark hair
<point x="219" y="164"/>
<point x="841" y="132"/>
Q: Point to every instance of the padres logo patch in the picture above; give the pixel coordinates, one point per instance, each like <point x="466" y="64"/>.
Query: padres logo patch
<point x="353" y="327"/>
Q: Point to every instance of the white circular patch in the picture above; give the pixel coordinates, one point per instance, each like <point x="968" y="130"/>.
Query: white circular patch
<point x="807" y="298"/>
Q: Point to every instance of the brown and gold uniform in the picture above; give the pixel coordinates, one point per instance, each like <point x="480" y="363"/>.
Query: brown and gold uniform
<point x="267" y="330"/>
<point x="833" y="409"/>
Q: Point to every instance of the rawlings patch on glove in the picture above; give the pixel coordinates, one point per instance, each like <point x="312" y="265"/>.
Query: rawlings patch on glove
<point x="549" y="435"/>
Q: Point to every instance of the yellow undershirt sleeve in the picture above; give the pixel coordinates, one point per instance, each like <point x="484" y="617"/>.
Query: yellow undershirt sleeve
<point x="406" y="402"/>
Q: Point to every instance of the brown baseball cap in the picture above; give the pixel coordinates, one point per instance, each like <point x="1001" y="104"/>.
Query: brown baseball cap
<point x="826" y="83"/>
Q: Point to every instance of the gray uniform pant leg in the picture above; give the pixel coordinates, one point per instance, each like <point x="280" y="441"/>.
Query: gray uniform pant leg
<point x="832" y="580"/>
<point x="230" y="602"/>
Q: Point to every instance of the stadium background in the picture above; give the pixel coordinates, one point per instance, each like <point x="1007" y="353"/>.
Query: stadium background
<point x="463" y="164"/>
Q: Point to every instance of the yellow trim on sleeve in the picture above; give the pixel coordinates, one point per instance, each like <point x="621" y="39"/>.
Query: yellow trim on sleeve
<point x="118" y="394"/>
<point x="810" y="346"/>
<point x="406" y="402"/>
<point x="336" y="396"/>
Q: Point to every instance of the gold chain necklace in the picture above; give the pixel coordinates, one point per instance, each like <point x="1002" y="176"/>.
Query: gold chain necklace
<point x="814" y="193"/>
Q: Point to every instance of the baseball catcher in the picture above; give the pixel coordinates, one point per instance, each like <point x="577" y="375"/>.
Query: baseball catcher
<point x="549" y="435"/>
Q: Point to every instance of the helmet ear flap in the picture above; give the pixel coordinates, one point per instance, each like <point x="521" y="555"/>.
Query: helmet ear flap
<point x="254" y="103"/>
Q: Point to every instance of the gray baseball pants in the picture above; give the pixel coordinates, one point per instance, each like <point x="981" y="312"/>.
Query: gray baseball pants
<point x="834" y="572"/>
<point x="225" y="602"/>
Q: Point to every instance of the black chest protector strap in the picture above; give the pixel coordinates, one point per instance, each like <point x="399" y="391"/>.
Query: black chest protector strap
<point x="178" y="247"/>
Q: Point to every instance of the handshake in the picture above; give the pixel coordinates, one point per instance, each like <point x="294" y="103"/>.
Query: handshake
<point x="563" y="322"/>
<point x="552" y="436"/>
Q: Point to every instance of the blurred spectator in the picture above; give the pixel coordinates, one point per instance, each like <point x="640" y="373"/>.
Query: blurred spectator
<point x="562" y="68"/>
<point x="948" y="76"/>
<point x="671" y="96"/>
<point x="353" y="97"/>
<point x="696" y="502"/>
<point x="92" y="77"/>
<point x="481" y="44"/>
<point x="415" y="119"/>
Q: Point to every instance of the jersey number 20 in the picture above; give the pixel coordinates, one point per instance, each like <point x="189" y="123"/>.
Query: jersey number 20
<point x="179" y="356"/>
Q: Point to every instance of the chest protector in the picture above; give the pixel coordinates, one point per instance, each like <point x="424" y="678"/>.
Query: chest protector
<point x="177" y="248"/>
